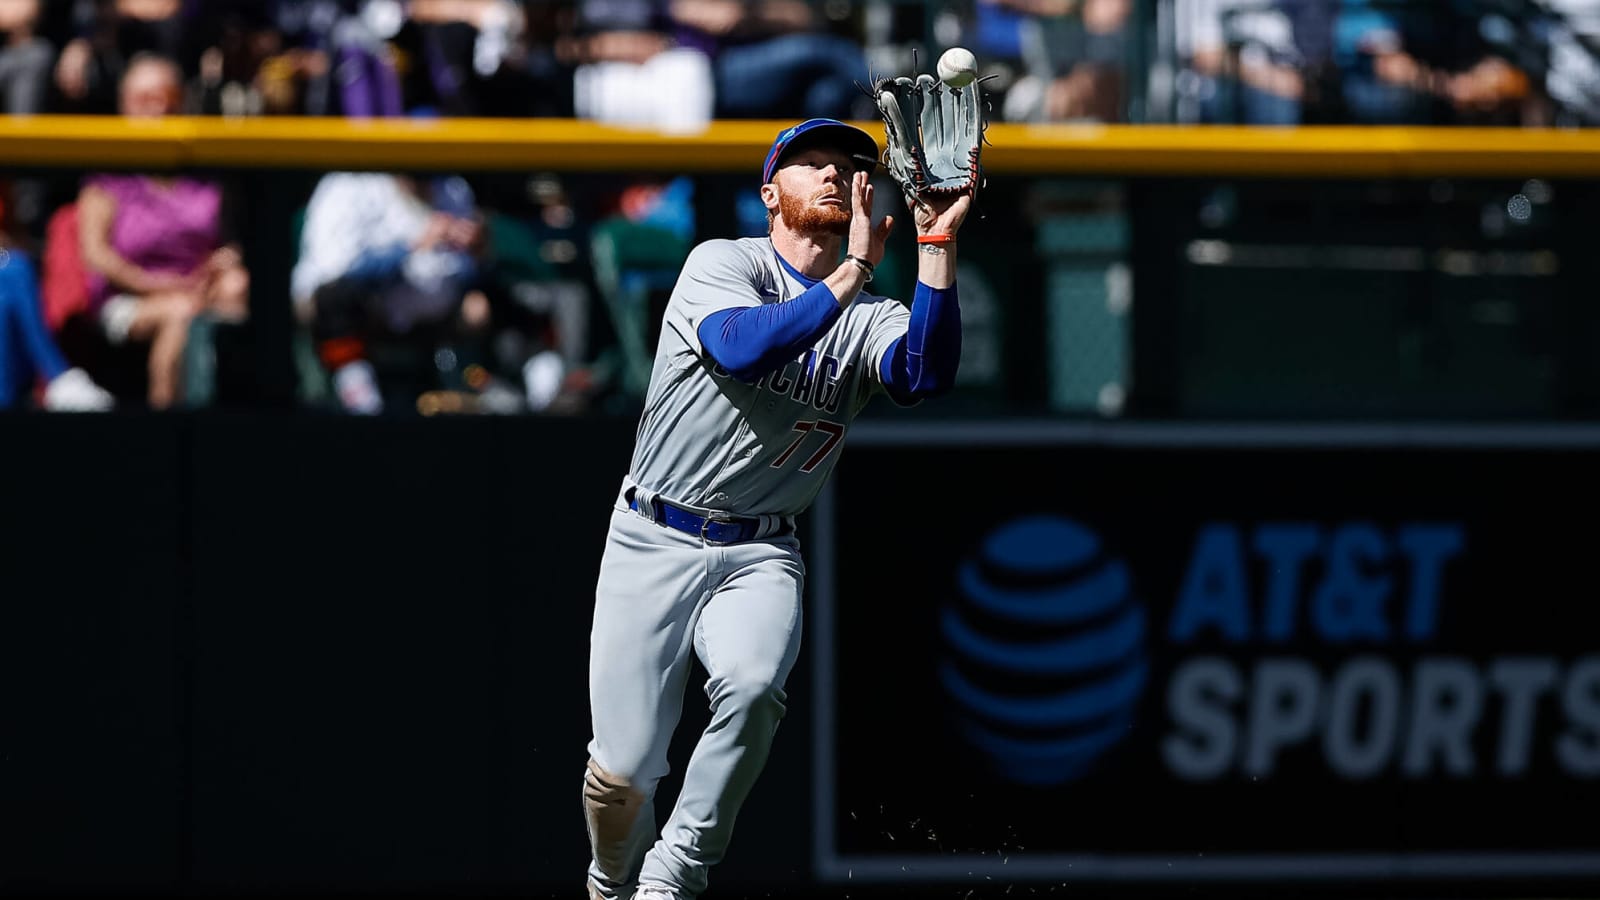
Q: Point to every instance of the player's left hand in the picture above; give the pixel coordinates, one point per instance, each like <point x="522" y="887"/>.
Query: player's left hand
<point x="941" y="214"/>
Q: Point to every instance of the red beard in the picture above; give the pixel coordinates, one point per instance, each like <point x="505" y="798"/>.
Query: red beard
<point x="808" y="217"/>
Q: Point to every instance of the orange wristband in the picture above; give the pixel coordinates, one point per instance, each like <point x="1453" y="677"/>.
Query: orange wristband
<point x="936" y="238"/>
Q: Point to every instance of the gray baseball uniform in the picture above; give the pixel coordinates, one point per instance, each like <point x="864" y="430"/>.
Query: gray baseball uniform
<point x="712" y="444"/>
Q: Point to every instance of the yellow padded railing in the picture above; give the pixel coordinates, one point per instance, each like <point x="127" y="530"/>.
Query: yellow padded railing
<point x="738" y="146"/>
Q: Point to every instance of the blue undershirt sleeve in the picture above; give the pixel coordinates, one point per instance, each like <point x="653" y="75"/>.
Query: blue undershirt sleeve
<point x="752" y="341"/>
<point x="923" y="362"/>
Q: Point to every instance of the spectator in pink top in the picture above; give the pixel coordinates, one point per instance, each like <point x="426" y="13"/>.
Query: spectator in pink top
<point x="154" y="246"/>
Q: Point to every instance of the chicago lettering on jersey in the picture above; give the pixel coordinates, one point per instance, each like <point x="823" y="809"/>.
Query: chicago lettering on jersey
<point x="814" y="379"/>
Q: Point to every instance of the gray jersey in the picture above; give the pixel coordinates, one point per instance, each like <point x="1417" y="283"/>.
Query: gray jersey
<point x="709" y="440"/>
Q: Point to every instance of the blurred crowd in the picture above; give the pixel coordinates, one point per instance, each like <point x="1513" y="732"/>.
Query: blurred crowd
<point x="1446" y="62"/>
<point x="605" y="59"/>
<point x="411" y="292"/>
<point x="679" y="63"/>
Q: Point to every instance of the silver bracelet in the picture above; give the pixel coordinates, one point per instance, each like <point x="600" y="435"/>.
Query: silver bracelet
<point x="865" y="266"/>
<point x="932" y="249"/>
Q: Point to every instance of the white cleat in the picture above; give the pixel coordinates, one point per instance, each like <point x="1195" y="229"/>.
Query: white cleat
<point x="654" y="892"/>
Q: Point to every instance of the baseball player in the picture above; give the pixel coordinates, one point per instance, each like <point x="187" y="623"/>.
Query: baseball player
<point x="769" y="348"/>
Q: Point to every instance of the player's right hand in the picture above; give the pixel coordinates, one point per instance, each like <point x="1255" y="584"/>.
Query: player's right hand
<point x="866" y="240"/>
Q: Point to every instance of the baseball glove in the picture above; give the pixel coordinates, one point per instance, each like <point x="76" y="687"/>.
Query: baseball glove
<point x="933" y="135"/>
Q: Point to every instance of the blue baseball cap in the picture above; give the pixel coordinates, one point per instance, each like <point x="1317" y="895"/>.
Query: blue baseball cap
<point x="855" y="143"/>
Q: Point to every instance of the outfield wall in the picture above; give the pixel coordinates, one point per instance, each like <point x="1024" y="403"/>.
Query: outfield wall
<point x="303" y="655"/>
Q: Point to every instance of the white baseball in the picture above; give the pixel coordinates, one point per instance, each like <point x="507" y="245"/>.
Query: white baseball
<point x="958" y="67"/>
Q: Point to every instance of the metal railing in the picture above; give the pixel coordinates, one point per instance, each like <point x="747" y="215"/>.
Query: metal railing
<point x="729" y="146"/>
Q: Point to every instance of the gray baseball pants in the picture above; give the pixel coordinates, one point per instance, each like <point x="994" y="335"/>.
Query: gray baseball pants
<point x="661" y="593"/>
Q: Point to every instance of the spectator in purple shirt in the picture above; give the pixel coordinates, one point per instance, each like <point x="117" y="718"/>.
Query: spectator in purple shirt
<point x="154" y="246"/>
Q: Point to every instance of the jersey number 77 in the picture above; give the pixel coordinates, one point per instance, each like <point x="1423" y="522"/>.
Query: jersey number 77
<point x="834" y="432"/>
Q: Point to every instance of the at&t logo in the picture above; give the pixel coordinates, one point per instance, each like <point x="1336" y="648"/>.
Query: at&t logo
<point x="1044" y="650"/>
